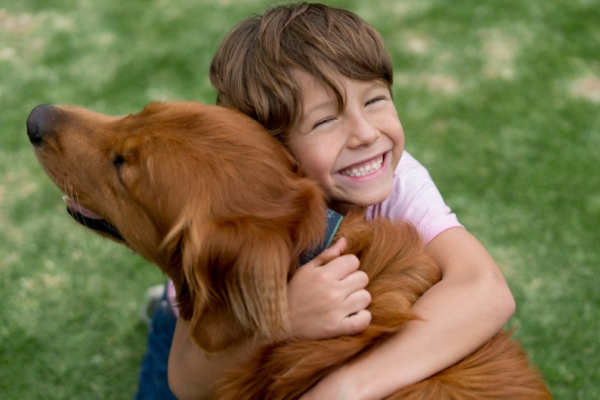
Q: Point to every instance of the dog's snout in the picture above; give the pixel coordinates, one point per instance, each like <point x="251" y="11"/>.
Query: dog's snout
<point x="38" y="123"/>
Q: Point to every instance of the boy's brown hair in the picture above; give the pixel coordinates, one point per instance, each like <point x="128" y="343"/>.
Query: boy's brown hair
<point x="253" y="68"/>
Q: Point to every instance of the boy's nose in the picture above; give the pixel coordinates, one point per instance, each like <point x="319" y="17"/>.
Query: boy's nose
<point x="362" y="132"/>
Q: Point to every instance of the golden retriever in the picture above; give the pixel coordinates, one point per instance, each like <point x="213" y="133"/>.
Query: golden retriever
<point x="205" y="193"/>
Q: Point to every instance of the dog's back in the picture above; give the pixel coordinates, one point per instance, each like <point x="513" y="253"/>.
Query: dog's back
<point x="391" y="253"/>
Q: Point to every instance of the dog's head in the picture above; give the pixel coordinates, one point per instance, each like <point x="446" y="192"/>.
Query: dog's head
<point x="202" y="191"/>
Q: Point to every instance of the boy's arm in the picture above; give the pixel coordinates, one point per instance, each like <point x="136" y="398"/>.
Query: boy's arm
<point x="191" y="371"/>
<point x="459" y="314"/>
<point x="327" y="298"/>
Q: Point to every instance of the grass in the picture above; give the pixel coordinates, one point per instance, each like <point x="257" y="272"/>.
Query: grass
<point x="500" y="100"/>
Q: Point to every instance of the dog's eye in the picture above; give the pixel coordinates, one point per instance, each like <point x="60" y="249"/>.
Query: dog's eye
<point x="118" y="161"/>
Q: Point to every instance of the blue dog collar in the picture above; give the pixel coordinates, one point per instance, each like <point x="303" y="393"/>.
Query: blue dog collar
<point x="332" y="224"/>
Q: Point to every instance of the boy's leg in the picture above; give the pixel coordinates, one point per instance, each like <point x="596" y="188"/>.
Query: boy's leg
<point x="153" y="381"/>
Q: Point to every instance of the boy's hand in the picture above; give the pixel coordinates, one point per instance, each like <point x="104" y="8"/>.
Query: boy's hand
<point x="327" y="296"/>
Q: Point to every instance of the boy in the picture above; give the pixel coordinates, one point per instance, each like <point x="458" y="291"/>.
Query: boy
<point x="319" y="79"/>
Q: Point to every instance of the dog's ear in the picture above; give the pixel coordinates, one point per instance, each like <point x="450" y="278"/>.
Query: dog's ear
<point x="236" y="272"/>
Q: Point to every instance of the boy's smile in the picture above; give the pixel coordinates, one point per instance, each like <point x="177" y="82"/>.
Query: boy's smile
<point x="364" y="169"/>
<point x="353" y="153"/>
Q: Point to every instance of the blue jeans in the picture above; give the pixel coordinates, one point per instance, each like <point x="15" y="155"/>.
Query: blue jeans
<point x="153" y="381"/>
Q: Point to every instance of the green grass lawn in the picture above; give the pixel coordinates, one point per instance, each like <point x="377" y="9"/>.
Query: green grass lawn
<point x="500" y="100"/>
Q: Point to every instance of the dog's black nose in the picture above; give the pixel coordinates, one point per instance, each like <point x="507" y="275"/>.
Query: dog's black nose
<point x="39" y="119"/>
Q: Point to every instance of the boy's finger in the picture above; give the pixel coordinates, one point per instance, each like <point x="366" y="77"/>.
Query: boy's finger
<point x="355" y="323"/>
<point x="343" y="268"/>
<point x="355" y="281"/>
<point x="333" y="251"/>
<point x="357" y="301"/>
<point x="330" y="253"/>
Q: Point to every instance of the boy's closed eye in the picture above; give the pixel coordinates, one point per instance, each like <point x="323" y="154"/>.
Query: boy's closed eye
<point x="368" y="103"/>
<point x="375" y="100"/>
<point x="323" y="122"/>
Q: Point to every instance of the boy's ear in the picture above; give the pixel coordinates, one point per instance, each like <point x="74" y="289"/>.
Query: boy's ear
<point x="237" y="273"/>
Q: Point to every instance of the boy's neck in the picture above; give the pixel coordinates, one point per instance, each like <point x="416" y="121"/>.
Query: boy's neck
<point x="342" y="208"/>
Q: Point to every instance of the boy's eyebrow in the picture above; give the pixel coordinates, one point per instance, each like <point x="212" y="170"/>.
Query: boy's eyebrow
<point x="322" y="104"/>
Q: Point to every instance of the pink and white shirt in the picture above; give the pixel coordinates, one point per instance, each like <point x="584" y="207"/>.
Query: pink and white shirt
<point x="415" y="199"/>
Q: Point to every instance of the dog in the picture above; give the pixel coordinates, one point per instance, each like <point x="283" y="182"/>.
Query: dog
<point x="205" y="193"/>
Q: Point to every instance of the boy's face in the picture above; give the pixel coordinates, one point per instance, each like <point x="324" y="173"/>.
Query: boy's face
<point x="352" y="154"/>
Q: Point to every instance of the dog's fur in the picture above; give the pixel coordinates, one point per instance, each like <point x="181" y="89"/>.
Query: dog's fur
<point x="210" y="197"/>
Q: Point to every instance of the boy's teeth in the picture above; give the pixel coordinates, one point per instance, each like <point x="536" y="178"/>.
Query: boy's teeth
<point x="364" y="169"/>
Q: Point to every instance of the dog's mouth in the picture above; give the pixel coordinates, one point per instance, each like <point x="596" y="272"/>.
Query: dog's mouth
<point x="91" y="220"/>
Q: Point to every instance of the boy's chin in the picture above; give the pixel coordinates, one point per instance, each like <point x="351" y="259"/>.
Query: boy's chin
<point x="362" y="200"/>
